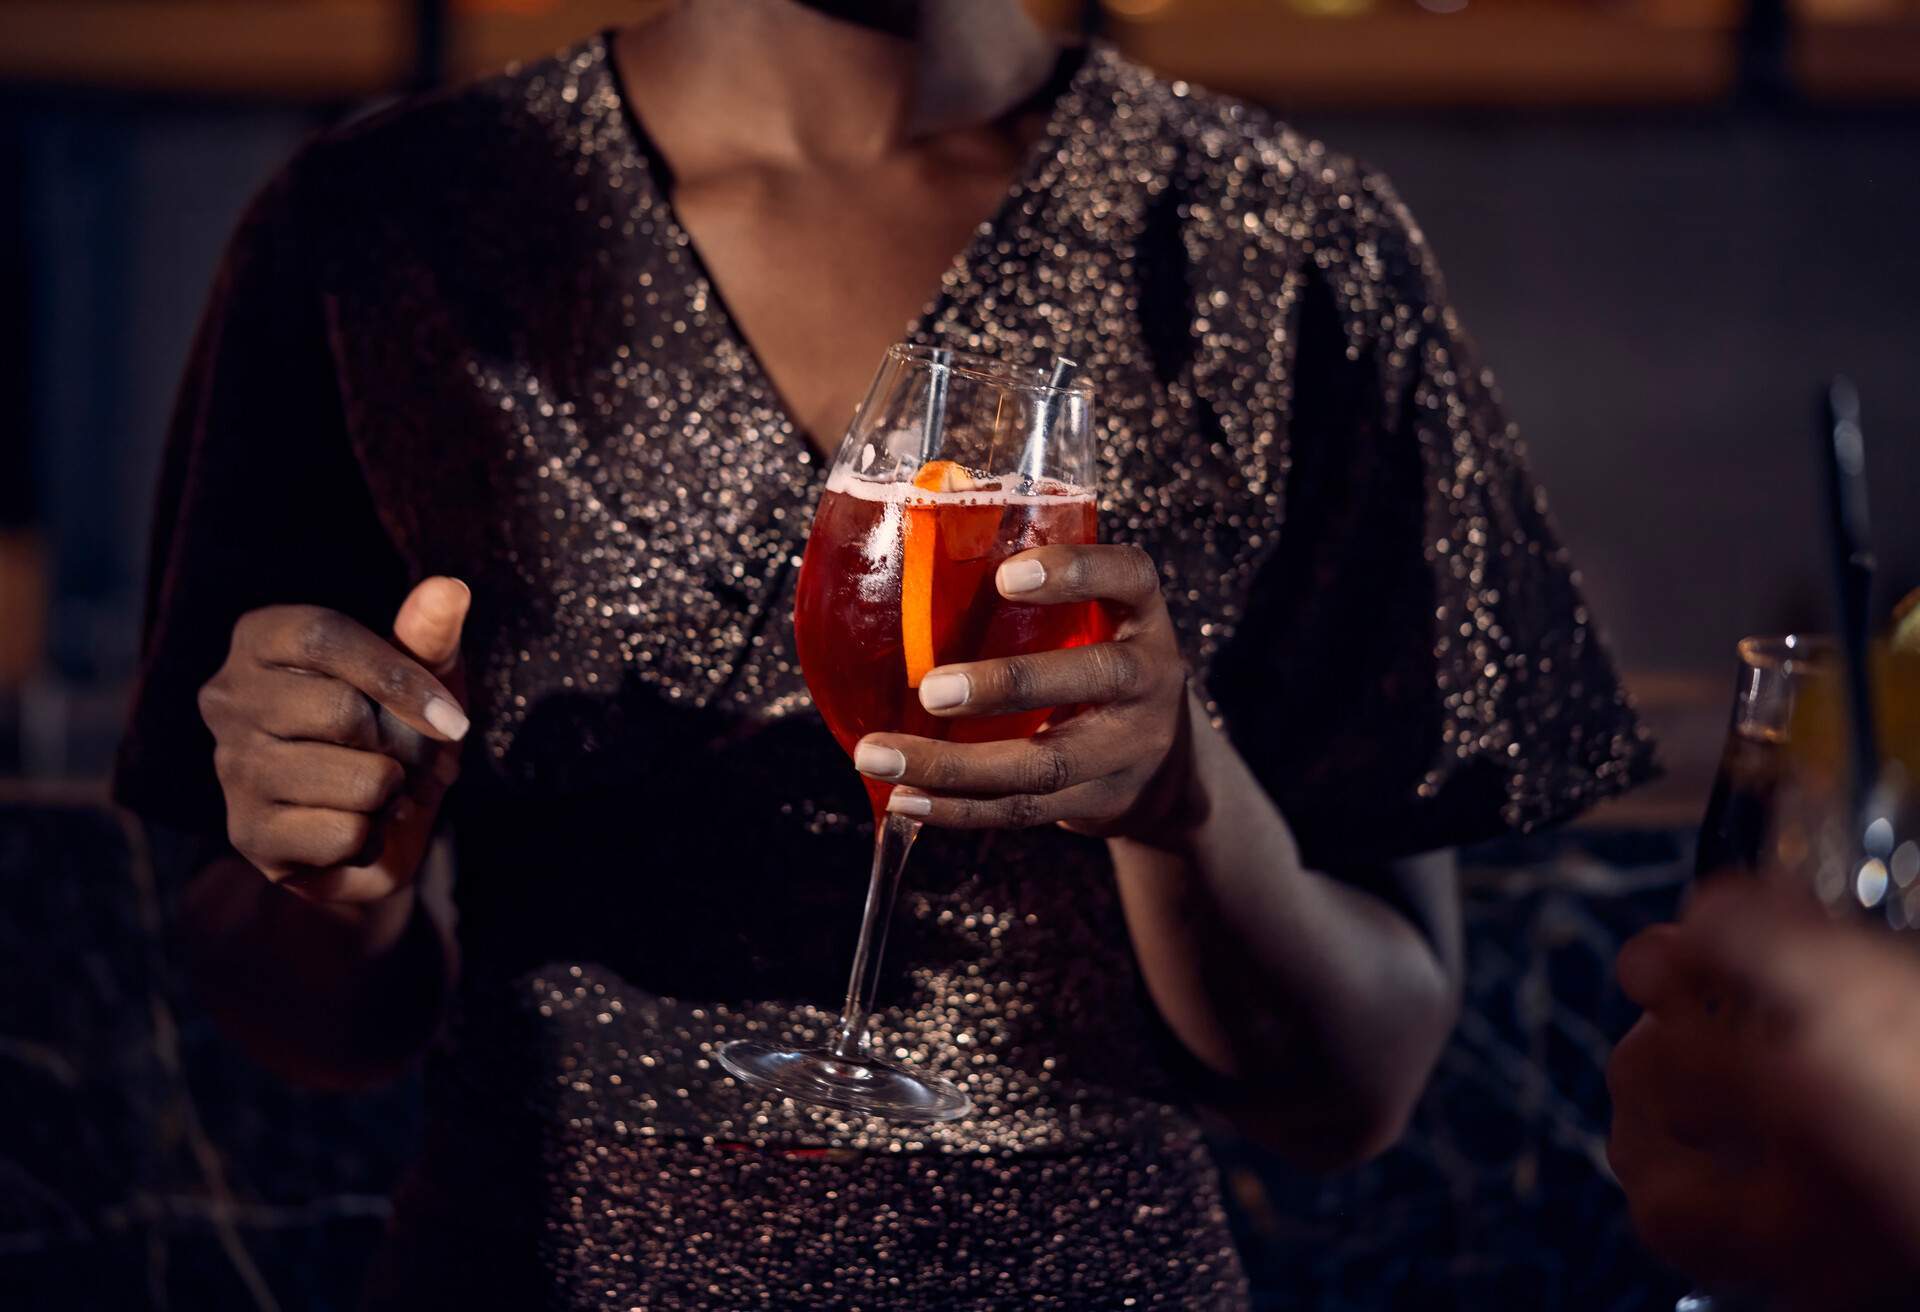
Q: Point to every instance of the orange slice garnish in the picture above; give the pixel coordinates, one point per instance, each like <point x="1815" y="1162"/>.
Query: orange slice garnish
<point x="944" y="476"/>
<point x="921" y="545"/>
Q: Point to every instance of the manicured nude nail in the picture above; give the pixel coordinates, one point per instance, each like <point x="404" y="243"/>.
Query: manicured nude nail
<point x="905" y="803"/>
<point x="940" y="691"/>
<point x="879" y="762"/>
<point x="1021" y="576"/>
<point x="446" y="717"/>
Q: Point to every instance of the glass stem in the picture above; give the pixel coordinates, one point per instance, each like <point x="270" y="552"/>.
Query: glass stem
<point x="892" y="840"/>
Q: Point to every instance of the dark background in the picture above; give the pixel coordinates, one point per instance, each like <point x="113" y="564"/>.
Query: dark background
<point x="1665" y="221"/>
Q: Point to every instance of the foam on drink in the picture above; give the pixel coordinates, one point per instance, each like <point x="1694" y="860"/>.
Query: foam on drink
<point x="897" y="492"/>
<point x="898" y="578"/>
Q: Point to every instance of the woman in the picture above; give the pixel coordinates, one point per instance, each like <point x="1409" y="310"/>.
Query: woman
<point x="578" y="337"/>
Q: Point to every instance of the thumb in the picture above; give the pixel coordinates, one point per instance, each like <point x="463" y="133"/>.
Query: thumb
<point x="428" y="625"/>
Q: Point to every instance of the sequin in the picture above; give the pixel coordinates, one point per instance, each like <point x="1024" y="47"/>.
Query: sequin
<point x="661" y="848"/>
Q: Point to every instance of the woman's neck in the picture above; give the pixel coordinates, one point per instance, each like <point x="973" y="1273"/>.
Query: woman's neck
<point x="798" y="83"/>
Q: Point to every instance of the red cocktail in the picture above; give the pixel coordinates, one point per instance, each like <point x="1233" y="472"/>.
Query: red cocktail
<point x="899" y="578"/>
<point x="952" y="464"/>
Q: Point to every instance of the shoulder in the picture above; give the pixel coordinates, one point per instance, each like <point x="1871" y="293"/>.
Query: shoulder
<point x="468" y="152"/>
<point x="538" y="101"/>
<point x="1250" y="178"/>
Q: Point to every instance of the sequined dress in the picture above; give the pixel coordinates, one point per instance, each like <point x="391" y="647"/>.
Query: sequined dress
<point x="468" y="336"/>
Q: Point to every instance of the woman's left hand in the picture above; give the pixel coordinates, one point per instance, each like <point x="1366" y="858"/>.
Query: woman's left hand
<point x="1116" y="768"/>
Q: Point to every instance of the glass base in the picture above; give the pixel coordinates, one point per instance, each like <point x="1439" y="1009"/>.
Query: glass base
<point x="862" y="1085"/>
<point x="1699" y="1302"/>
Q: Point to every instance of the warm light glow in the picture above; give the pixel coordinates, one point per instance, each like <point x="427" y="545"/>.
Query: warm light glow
<point x="1870" y="885"/>
<point x="1880" y="837"/>
<point x="1333" y="8"/>
<point x="1906" y="863"/>
<point x="1137" y="8"/>
<point x="1830" y="882"/>
<point x="1791" y="846"/>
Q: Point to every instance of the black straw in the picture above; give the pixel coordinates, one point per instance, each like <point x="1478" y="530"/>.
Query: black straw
<point x="1843" y="455"/>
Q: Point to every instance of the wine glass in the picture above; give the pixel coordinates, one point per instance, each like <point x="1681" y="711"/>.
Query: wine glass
<point x="953" y="463"/>
<point x="1783" y="804"/>
<point x="1785" y="807"/>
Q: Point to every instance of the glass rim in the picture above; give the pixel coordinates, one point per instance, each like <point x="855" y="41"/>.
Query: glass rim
<point x="992" y="370"/>
<point x="1787" y="651"/>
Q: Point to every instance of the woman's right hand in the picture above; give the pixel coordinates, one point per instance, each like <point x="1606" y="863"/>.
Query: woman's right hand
<point x="335" y="746"/>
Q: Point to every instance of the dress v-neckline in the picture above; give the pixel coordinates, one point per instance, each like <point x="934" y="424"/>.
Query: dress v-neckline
<point x="669" y="228"/>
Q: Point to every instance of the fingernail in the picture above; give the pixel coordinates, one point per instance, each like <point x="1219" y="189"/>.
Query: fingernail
<point x="446" y="717"/>
<point x="905" y="803"/>
<point x="879" y="762"/>
<point x="939" y="691"/>
<point x="466" y="593"/>
<point x="1021" y="576"/>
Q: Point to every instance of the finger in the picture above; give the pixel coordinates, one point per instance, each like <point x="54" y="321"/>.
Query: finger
<point x="1641" y="1142"/>
<point x="313" y="774"/>
<point x="1650" y="966"/>
<point x="1640" y="1150"/>
<point x="1084" y="749"/>
<point x="1695" y="1211"/>
<point x="1631" y="1090"/>
<point x="1124" y="575"/>
<point x="1100" y="674"/>
<point x="1662" y="970"/>
<point x="1082" y="802"/>
<point x="1678" y="1206"/>
<point x="430" y="620"/>
<point x="1642" y="1082"/>
<point x="1785" y="953"/>
<point x="327" y="642"/>
<point x="282" y="839"/>
<point x="1686" y="1077"/>
<point x="297" y="706"/>
<point x="358" y="883"/>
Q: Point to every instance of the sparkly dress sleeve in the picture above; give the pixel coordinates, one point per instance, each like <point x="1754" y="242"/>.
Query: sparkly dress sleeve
<point x="1418" y="668"/>
<point x="260" y="501"/>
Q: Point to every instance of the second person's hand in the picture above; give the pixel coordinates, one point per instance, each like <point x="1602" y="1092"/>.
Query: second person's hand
<point x="1763" y="1124"/>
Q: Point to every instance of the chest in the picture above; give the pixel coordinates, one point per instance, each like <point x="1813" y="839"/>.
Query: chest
<point x="634" y="489"/>
<point x="820" y="270"/>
